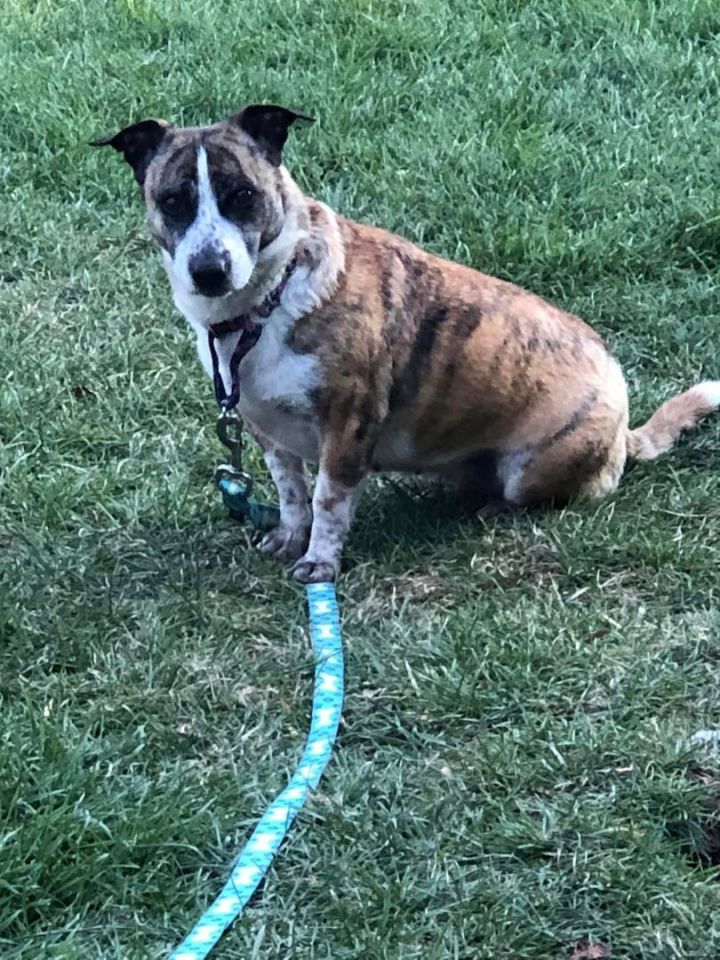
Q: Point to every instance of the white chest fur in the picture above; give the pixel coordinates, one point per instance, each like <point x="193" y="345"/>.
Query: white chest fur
<point x="275" y="387"/>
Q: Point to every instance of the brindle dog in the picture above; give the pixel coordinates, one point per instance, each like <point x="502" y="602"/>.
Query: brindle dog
<point x="375" y="355"/>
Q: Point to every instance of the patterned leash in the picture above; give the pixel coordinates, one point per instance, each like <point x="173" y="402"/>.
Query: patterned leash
<point x="255" y="858"/>
<point x="257" y="855"/>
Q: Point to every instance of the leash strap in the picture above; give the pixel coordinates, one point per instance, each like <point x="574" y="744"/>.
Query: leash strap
<point x="248" y="339"/>
<point x="257" y="854"/>
<point x="250" y="332"/>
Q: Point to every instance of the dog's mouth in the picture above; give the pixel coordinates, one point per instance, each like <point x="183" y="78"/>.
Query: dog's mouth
<point x="216" y="272"/>
<point x="213" y="291"/>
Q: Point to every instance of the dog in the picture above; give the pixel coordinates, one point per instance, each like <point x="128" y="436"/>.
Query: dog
<point x="350" y="348"/>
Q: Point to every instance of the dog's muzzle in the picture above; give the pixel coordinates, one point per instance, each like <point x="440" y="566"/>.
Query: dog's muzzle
<point x="210" y="272"/>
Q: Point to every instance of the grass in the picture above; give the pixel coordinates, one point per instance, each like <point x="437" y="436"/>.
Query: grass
<point x="513" y="776"/>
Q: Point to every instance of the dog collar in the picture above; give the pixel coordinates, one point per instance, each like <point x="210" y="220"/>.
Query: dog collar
<point x="264" y="309"/>
<point x="249" y="336"/>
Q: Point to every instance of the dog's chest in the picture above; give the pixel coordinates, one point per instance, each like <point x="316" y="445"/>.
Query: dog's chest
<point x="275" y="390"/>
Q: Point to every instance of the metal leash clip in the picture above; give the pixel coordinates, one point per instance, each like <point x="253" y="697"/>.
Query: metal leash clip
<point x="233" y="481"/>
<point x="229" y="431"/>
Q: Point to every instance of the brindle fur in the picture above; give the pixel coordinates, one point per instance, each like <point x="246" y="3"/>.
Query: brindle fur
<point x="413" y="362"/>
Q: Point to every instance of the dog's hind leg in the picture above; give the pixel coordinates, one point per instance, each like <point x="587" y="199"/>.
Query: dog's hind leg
<point x="481" y="485"/>
<point x="475" y="479"/>
<point x="585" y="465"/>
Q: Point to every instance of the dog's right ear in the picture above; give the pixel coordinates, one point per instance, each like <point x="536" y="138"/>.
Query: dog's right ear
<point x="137" y="143"/>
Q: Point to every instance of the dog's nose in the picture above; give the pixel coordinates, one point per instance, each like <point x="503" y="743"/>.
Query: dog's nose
<point x="210" y="272"/>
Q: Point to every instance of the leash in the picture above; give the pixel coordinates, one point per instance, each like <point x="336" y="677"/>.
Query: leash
<point x="255" y="858"/>
<point x="235" y="485"/>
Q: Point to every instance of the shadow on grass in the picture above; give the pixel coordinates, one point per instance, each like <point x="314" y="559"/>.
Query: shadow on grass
<point x="698" y="837"/>
<point x="413" y="517"/>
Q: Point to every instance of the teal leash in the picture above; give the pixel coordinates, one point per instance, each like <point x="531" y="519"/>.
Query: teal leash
<point x="256" y="856"/>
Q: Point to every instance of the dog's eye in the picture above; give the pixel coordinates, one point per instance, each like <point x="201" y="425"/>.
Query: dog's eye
<point x="240" y="200"/>
<point x="173" y="203"/>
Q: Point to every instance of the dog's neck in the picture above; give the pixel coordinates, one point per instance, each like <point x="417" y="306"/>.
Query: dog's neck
<point x="311" y="234"/>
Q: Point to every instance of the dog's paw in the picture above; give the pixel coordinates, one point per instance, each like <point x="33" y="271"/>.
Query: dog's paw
<point x="307" y="570"/>
<point x="285" y="543"/>
<point x="492" y="509"/>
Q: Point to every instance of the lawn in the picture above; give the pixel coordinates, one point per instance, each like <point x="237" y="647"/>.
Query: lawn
<point x="513" y="779"/>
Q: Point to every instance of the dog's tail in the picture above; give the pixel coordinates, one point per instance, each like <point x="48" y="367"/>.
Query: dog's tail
<point x="678" y="413"/>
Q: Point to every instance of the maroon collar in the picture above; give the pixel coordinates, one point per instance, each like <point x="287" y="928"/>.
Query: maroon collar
<point x="251" y="331"/>
<point x="264" y="309"/>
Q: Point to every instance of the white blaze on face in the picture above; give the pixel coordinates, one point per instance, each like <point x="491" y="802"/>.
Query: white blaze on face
<point x="210" y="229"/>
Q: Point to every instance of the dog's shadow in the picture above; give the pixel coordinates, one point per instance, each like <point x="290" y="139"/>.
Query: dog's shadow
<point x="401" y="523"/>
<point x="409" y="516"/>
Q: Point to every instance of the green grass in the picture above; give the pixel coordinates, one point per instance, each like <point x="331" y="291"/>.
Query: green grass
<point x="513" y="772"/>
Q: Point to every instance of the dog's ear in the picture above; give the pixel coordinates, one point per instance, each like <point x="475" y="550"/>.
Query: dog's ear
<point x="137" y="143"/>
<point x="268" y="126"/>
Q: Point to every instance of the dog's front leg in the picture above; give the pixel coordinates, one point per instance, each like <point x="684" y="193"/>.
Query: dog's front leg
<point x="289" y="539"/>
<point x="348" y="436"/>
<point x="333" y="506"/>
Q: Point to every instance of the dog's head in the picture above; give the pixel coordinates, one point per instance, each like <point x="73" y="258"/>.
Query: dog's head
<point x="214" y="195"/>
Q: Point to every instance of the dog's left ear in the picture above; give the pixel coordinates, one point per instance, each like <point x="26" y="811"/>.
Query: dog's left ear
<point x="268" y="125"/>
<point x="137" y="143"/>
